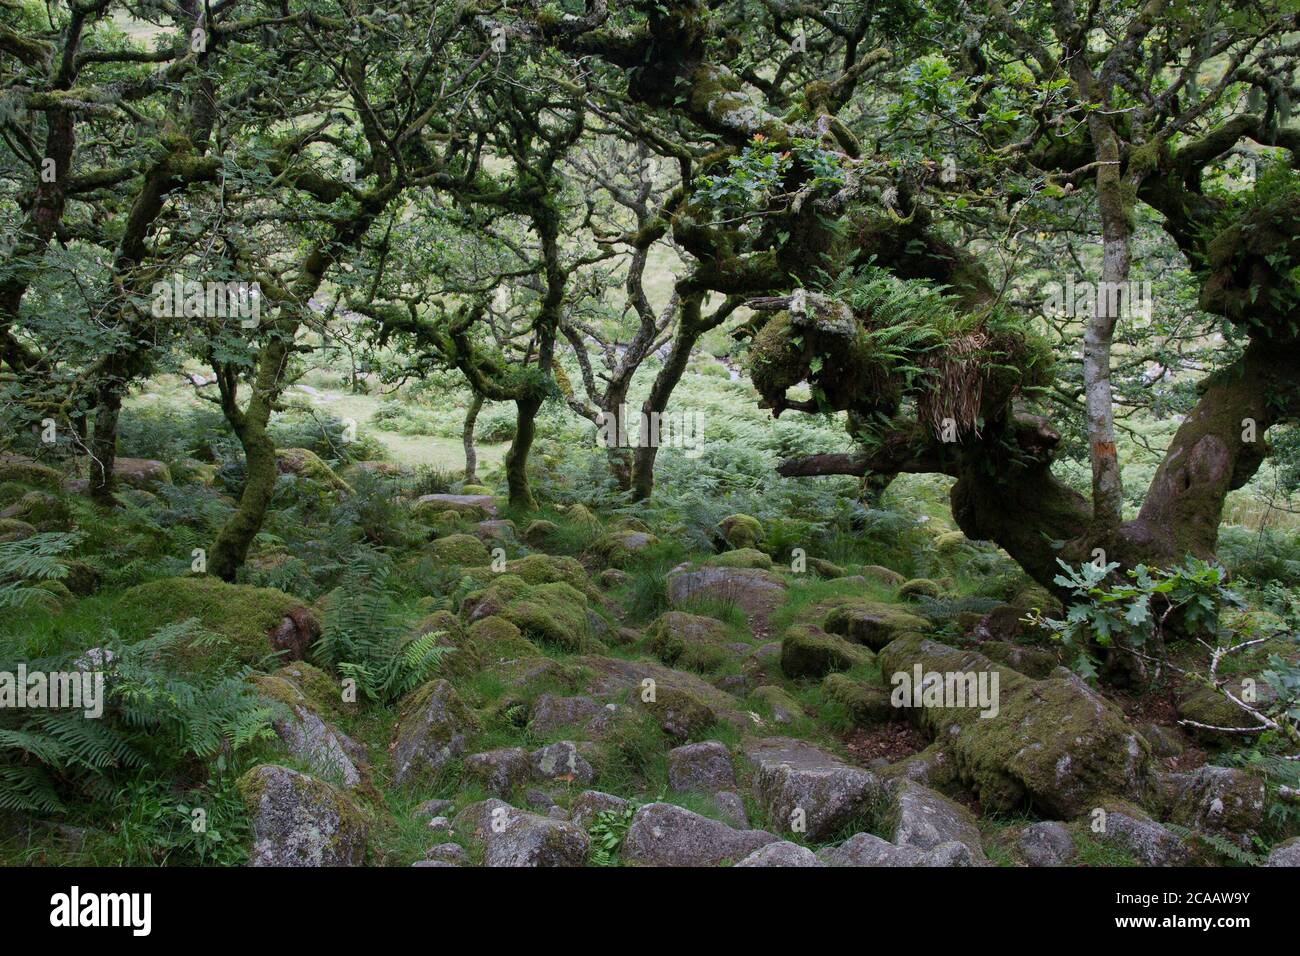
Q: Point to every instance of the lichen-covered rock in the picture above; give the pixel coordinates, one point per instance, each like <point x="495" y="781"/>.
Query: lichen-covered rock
<point x="1054" y="742"/>
<point x="1285" y="854"/>
<point x="1214" y="799"/>
<point x="589" y="804"/>
<point x="806" y="790"/>
<point x="704" y="767"/>
<point x="783" y="853"/>
<point x="330" y="753"/>
<point x="445" y="854"/>
<point x="561" y="761"/>
<point x="920" y="587"/>
<point x="617" y="547"/>
<point x="915" y="815"/>
<point x="432" y="731"/>
<point x="500" y="771"/>
<point x="1132" y="830"/>
<point x="1046" y="844"/>
<point x="680" y="713"/>
<point x="1204" y="708"/>
<point x="636" y="681"/>
<point x="690" y="640"/>
<point x="298" y="820"/>
<point x="866" y="849"/>
<point x="662" y="834"/>
<point x="516" y="838"/>
<point x="551" y="713"/>
<point x="866" y="704"/>
<point x="740" y="531"/>
<point x="462" y="550"/>
<point x="872" y="623"/>
<point x="933" y="767"/>
<point x="143" y="473"/>
<point x="785" y="709"/>
<point x="1036" y="662"/>
<point x="756" y="592"/>
<point x="254" y="621"/>
<point x="810" y="652"/>
<point x="731" y="807"/>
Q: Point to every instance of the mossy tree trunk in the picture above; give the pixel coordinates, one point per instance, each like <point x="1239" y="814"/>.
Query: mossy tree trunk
<point x="521" y="494"/>
<point x="467" y="438"/>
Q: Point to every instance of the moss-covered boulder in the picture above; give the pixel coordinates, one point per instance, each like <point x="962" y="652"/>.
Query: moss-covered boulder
<point x="756" y="592"/>
<point x="866" y="704"/>
<point x="143" y="473"/>
<point x="432" y="730"/>
<point x="25" y="471"/>
<point x="42" y="510"/>
<point x="741" y="558"/>
<point x="884" y="575"/>
<point x="320" y="691"/>
<point x="305" y="463"/>
<point x="542" y="569"/>
<point x="680" y="714"/>
<point x="305" y="735"/>
<point x="255" y="621"/>
<point x="554" y="614"/>
<point x="825" y="569"/>
<point x="496" y="639"/>
<point x="11" y="529"/>
<point x="618" y="547"/>
<point x="81" y="579"/>
<point x="740" y="531"/>
<point x="583" y="516"/>
<point x="872" y="623"/>
<point x="1055" y="743"/>
<point x="1202" y="709"/>
<point x="475" y="490"/>
<point x="690" y="640"/>
<point x="463" y="550"/>
<point x="468" y="507"/>
<point x="811" y="652"/>
<point x="919" y="588"/>
<point x="298" y="820"/>
<point x="1036" y="662"/>
<point x="541" y="533"/>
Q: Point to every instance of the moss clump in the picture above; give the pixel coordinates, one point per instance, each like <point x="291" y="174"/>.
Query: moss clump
<point x="554" y="614"/>
<point x="1055" y="743"/>
<point x="617" y="547"/>
<point x="463" y="550"/>
<point x="680" y="714"/>
<point x="495" y="639"/>
<point x="581" y="515"/>
<point x="825" y="569"/>
<point x="742" y="558"/>
<point x="741" y="531"/>
<point x="865" y="704"/>
<point x="30" y="473"/>
<point x="810" y="652"/>
<point x="244" y="615"/>
<point x="476" y="490"/>
<point x="322" y="692"/>
<point x="541" y="533"/>
<point x="920" y="587"/>
<point x="872" y="623"/>
<point x="305" y="463"/>
<point x="542" y="569"/>
<point x="688" y="640"/>
<point x="11" y="529"/>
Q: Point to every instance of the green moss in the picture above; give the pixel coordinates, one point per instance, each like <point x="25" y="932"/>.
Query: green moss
<point x="30" y="473"/>
<point x="242" y="614"/>
<point x="741" y="531"/>
<point x="305" y="463"/>
<point x="866" y="704"/>
<point x="920" y="587"/>
<point x="459" y="549"/>
<point x="689" y="640"/>
<point x="495" y="639"/>
<point x="554" y="614"/>
<point x="809" y="652"/>
<point x="741" y="558"/>
<point x="872" y="623"/>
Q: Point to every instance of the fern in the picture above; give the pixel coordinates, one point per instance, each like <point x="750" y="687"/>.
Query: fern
<point x="32" y="559"/>
<point x="1218" y="844"/>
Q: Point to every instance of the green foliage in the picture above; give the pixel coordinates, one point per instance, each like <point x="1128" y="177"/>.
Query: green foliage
<point x="608" y="831"/>
<point x="367" y="639"/>
<point x="29" y="560"/>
